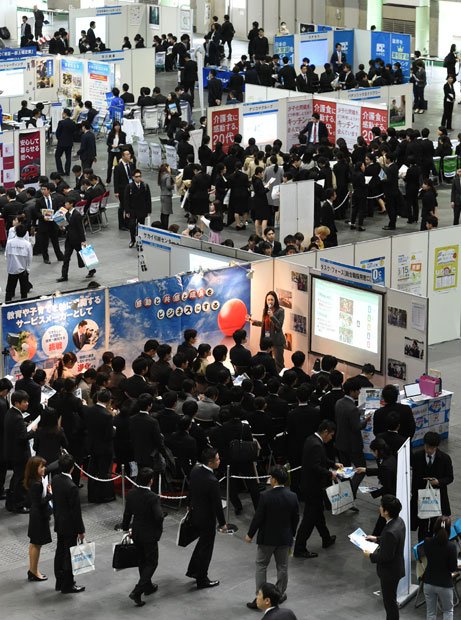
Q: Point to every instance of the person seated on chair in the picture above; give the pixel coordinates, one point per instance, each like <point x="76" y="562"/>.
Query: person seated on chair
<point x="145" y="98"/>
<point x="95" y="189"/>
<point x="91" y="112"/>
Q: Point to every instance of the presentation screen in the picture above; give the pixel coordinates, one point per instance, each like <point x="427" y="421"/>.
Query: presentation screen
<point x="317" y="51"/>
<point x="12" y="83"/>
<point x="262" y="126"/>
<point x="346" y="322"/>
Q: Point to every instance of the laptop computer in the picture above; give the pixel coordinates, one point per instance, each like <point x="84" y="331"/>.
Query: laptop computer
<point x="413" y="392"/>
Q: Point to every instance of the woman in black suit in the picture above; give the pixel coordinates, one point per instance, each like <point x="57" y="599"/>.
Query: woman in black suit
<point x="342" y="171"/>
<point x="429" y="202"/>
<point x="272" y="327"/>
<point x="39" y="517"/>
<point x="221" y="184"/>
<point x="172" y="114"/>
<point x="49" y="438"/>
<point x="70" y="408"/>
<point x="198" y="194"/>
<point x="236" y="83"/>
<point x="239" y="196"/>
<point x="262" y="209"/>
<point x="115" y="140"/>
<point x="375" y="186"/>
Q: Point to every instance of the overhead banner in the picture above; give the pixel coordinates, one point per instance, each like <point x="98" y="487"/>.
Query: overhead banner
<point x="214" y="303"/>
<point x="285" y="46"/>
<point x="224" y="125"/>
<point x="30" y="163"/>
<point x="381" y="45"/>
<point x="72" y="77"/>
<point x="400" y="52"/>
<point x="43" y="330"/>
<point x="346" y="38"/>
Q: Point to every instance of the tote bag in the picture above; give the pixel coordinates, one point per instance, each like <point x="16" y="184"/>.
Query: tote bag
<point x="82" y="557"/>
<point x="340" y="496"/>
<point x="429" y="502"/>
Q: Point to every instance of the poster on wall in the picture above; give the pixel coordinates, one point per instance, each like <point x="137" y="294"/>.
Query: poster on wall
<point x="135" y="14"/>
<point x="348" y="123"/>
<point x="185" y="23"/>
<point x="327" y="111"/>
<point x="44" y="73"/>
<point x="446" y="267"/>
<point x="7" y="167"/>
<point x="397" y="112"/>
<point x="216" y="304"/>
<point x="409" y="272"/>
<point x="99" y="84"/>
<point x="298" y="115"/>
<point x="72" y="77"/>
<point x="154" y="16"/>
<point x="377" y="268"/>
<point x="29" y="157"/>
<point x="373" y="117"/>
<point x="224" y="125"/>
<point x="43" y="330"/>
<point x="285" y="46"/>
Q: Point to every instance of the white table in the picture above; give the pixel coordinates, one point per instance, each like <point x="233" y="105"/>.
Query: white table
<point x="133" y="129"/>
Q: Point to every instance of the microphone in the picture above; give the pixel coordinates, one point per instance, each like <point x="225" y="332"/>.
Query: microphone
<point x="269" y="305"/>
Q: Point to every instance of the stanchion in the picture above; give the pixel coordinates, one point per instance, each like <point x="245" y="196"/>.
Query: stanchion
<point x="118" y="527"/>
<point x="231" y="528"/>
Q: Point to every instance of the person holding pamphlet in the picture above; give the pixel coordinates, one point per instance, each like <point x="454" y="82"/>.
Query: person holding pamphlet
<point x="75" y="240"/>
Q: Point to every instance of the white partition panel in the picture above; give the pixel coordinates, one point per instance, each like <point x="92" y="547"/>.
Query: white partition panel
<point x="304" y="259"/>
<point x="341" y="254"/>
<point x="409" y="263"/>
<point x="305" y="203"/>
<point x="443" y="285"/>
<point x="406" y="336"/>
<point x="288" y="209"/>
<point x="290" y="284"/>
<point x="254" y="92"/>
<point x="261" y="283"/>
<point x="371" y="251"/>
<point x="279" y="93"/>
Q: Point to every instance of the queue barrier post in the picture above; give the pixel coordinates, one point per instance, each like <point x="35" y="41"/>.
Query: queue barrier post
<point x="231" y="528"/>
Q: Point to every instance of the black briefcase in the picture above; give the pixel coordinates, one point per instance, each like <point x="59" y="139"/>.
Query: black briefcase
<point x="187" y="532"/>
<point x="125" y="554"/>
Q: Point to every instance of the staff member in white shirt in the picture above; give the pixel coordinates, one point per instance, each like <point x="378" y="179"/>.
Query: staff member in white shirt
<point x="18" y="254"/>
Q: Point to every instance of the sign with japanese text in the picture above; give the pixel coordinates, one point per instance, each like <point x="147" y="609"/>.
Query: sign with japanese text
<point x="373" y="117"/>
<point x="44" y="73"/>
<point x="71" y="77"/>
<point x="346" y="273"/>
<point x="43" y="330"/>
<point x="327" y="111"/>
<point x="446" y="267"/>
<point x="157" y="237"/>
<point x="224" y="125"/>
<point x="298" y="115"/>
<point x="285" y="46"/>
<point x="9" y="53"/>
<point x="348" y="121"/>
<point x="377" y="268"/>
<point x="400" y="52"/>
<point x="29" y="157"/>
<point x="99" y="84"/>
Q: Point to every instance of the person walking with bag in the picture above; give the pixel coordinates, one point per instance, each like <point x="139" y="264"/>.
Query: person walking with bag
<point x="442" y="561"/>
<point x="39" y="495"/>
<point x="75" y="241"/>
<point x="275" y="520"/>
<point x="144" y="511"/>
<point x="137" y="204"/>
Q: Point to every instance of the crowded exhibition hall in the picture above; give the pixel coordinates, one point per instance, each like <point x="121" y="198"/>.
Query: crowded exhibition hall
<point x="230" y="331"/>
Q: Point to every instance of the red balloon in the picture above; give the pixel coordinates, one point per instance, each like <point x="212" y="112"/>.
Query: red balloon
<point x="232" y="316"/>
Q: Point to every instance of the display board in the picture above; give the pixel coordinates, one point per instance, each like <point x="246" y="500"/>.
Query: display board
<point x="317" y="46"/>
<point x="375" y="254"/>
<point x="346" y="322"/>
<point x="260" y="121"/>
<point x="410" y="263"/>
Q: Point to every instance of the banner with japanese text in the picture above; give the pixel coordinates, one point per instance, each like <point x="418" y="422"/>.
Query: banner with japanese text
<point x="43" y="330"/>
<point x="72" y="77"/>
<point x="327" y="111"/>
<point x="373" y="117"/>
<point x="29" y="157"/>
<point x="224" y="125"/>
<point x="99" y="84"/>
<point x="285" y="46"/>
<point x="400" y="52"/>
<point x="346" y="39"/>
<point x="381" y="45"/>
<point x="298" y="115"/>
<point x="348" y="122"/>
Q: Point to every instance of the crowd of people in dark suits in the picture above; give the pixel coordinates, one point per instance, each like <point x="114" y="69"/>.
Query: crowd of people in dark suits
<point x="186" y="417"/>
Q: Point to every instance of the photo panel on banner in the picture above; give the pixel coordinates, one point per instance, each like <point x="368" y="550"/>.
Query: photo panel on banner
<point x="72" y="77"/>
<point x="43" y="330"/>
<point x="44" y="73"/>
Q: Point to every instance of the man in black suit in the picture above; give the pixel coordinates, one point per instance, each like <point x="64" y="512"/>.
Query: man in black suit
<point x="87" y="150"/>
<point x="68" y="524"/>
<point x="392" y="195"/>
<point x="137" y="204"/>
<point x="239" y="355"/>
<point x="5" y="388"/>
<point x="189" y="76"/>
<point x="26" y="31"/>
<point x="365" y="377"/>
<point x="388" y="557"/>
<point x="145" y="435"/>
<point x="329" y="400"/>
<point x="327" y="217"/>
<point x="39" y="18"/>
<point x="264" y="357"/>
<point x="316" y="130"/>
<point x="12" y="209"/>
<point x="123" y="175"/>
<point x="177" y="376"/>
<point x="91" y="37"/>
<point x="338" y="59"/>
<point x="28" y="385"/>
<point x="315" y="477"/>
<point x="65" y="137"/>
<point x="302" y="80"/>
<point x="269" y="236"/>
<point x="287" y="75"/>
<point x="213" y="369"/>
<point x="17" y="450"/>
<point x="392" y="436"/>
<point x="100" y="429"/>
<point x="215" y="89"/>
<point x="75" y="240"/>
<point x="275" y="520"/>
<point x="57" y="45"/>
<point x="260" y="45"/>
<point x="435" y="466"/>
<point x="390" y="396"/>
<point x="205" y="507"/>
<point x="303" y="421"/>
<point x="143" y="507"/>
<point x="161" y="369"/>
<point x="268" y="600"/>
<point x="137" y="384"/>
<point x="167" y="417"/>
<point x="47" y="228"/>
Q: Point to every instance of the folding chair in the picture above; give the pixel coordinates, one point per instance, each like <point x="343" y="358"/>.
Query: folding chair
<point x="94" y="213"/>
<point x="150" y="115"/>
<point x="80" y="206"/>
<point x="137" y="113"/>
<point x="103" y="208"/>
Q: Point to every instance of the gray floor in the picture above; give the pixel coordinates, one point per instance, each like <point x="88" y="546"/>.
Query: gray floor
<point x="339" y="584"/>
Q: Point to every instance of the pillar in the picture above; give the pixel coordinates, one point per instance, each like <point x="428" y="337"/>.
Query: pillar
<point x="422" y="27"/>
<point x="375" y="14"/>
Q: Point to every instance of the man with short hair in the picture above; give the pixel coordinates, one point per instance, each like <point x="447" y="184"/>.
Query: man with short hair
<point x="87" y="150"/>
<point x="91" y="37"/>
<point x="212" y="370"/>
<point x="215" y="89"/>
<point x="227" y="34"/>
<point x="269" y="236"/>
<point x="28" y="385"/>
<point x="389" y="398"/>
<point x="276" y="519"/>
<point x="75" y="240"/>
<point x="39" y="18"/>
<point x="144" y="511"/>
<point x="123" y="176"/>
<point x="315" y="129"/>
<point x="137" y="204"/>
<point x="65" y="136"/>
<point x="239" y="355"/>
<point x="18" y="253"/>
<point x="264" y="357"/>
<point x="365" y="377"/>
<point x="268" y="600"/>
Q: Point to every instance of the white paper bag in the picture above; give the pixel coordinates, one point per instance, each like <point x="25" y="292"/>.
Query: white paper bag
<point x="429" y="502"/>
<point x="340" y="496"/>
<point x="226" y="198"/>
<point x="89" y="257"/>
<point x="82" y="557"/>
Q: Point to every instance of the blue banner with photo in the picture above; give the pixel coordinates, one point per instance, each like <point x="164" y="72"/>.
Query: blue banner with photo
<point x="381" y="45"/>
<point x="285" y="46"/>
<point x="43" y="330"/>
<point x="400" y="52"/>
<point x="346" y="38"/>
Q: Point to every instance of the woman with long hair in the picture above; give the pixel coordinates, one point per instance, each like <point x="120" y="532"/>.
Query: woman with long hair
<point x="272" y="326"/>
<point x="165" y="181"/>
<point x="65" y="367"/>
<point x="49" y="439"/>
<point x="39" y="494"/>
<point x="442" y="561"/>
<point x="172" y="114"/>
<point x="115" y="139"/>
<point x="261" y="210"/>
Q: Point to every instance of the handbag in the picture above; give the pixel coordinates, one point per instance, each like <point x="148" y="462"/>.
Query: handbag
<point x="89" y="257"/>
<point x="243" y="450"/>
<point x="340" y="496"/>
<point x="82" y="557"/>
<point x="187" y="532"/>
<point x="158" y="462"/>
<point x="125" y="554"/>
<point x="429" y="502"/>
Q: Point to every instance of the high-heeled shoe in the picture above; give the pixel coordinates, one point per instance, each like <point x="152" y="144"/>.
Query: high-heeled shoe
<point x="32" y="577"/>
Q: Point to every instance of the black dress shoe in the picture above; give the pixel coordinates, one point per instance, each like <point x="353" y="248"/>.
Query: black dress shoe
<point x="307" y="555"/>
<point x="91" y="273"/>
<point x="137" y="599"/>
<point x="47" y="262"/>
<point x="207" y="584"/>
<point x="151" y="589"/>
<point x="361" y="228"/>
<point x="2" y="494"/>
<point x="57" y="587"/>
<point x="61" y="259"/>
<point x="328" y="542"/>
<point x="131" y="244"/>
<point x="238" y="511"/>
<point x="252" y="605"/>
<point x="191" y="575"/>
<point x="32" y="577"/>
<point x="62" y="279"/>
<point x="74" y="590"/>
<point x="23" y="510"/>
